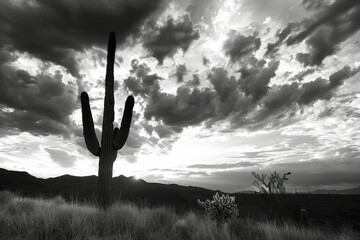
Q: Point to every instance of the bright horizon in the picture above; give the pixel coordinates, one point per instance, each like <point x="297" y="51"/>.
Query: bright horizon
<point x="221" y="88"/>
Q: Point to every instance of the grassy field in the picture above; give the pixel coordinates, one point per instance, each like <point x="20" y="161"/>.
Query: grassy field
<point x="30" y="218"/>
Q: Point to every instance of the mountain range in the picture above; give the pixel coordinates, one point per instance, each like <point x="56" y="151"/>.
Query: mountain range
<point x="326" y="206"/>
<point x="123" y="188"/>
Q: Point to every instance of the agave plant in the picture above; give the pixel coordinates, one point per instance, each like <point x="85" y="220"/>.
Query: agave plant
<point x="221" y="208"/>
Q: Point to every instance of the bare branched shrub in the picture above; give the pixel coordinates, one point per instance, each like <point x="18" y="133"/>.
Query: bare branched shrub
<point x="274" y="184"/>
<point x="273" y="189"/>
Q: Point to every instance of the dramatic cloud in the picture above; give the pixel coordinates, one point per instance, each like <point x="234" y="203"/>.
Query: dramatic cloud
<point x="166" y="40"/>
<point x="286" y="95"/>
<point x="245" y="101"/>
<point x="15" y="121"/>
<point x="238" y="46"/>
<point x="255" y="81"/>
<point x="218" y="93"/>
<point x="187" y="107"/>
<point x="53" y="30"/>
<point x="323" y="89"/>
<point x="41" y="103"/>
<point x="229" y="97"/>
<point x="331" y="27"/>
<point x="141" y="82"/>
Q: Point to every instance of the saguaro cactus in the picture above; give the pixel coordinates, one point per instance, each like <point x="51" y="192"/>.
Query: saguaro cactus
<point x="111" y="139"/>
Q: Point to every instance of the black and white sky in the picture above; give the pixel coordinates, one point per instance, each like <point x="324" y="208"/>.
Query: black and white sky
<point x="221" y="87"/>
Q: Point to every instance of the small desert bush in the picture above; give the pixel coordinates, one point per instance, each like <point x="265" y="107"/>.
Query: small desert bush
<point x="221" y="209"/>
<point x="26" y="218"/>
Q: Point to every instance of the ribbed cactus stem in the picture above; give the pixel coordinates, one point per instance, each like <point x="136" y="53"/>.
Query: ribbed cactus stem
<point x="111" y="139"/>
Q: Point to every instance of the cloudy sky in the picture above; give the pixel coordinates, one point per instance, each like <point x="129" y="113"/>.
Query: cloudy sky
<point x="221" y="87"/>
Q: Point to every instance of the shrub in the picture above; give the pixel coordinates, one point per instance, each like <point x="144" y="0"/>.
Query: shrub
<point x="273" y="189"/>
<point x="221" y="208"/>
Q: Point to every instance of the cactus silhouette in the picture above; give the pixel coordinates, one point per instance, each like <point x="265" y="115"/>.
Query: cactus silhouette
<point x="112" y="139"/>
<point x="221" y="208"/>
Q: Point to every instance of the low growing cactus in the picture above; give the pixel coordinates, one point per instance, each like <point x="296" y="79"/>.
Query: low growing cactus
<point x="221" y="208"/>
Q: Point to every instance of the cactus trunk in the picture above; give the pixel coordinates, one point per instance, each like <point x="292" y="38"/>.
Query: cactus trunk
<point x="111" y="139"/>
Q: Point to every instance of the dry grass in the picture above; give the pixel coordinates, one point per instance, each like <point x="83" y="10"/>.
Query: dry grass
<point x="25" y="218"/>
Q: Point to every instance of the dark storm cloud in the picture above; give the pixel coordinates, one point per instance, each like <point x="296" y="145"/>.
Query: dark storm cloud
<point x="42" y="94"/>
<point x="42" y="103"/>
<point x="166" y="40"/>
<point x="228" y="95"/>
<point x="255" y="81"/>
<point x="61" y="157"/>
<point x="286" y="95"/>
<point x="238" y="46"/>
<point x="180" y="72"/>
<point x="187" y="107"/>
<point x="281" y="96"/>
<point x="191" y="106"/>
<point x="24" y="121"/>
<point x="53" y="30"/>
<point x="331" y="27"/>
<point x="141" y="81"/>
<point x="324" y="89"/>
<point x="246" y="101"/>
<point x="194" y="106"/>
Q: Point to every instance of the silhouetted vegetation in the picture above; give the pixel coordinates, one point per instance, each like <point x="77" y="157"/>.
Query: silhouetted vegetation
<point x="112" y="139"/>
<point x="324" y="210"/>
<point x="30" y="218"/>
<point x="221" y="209"/>
<point x="273" y="189"/>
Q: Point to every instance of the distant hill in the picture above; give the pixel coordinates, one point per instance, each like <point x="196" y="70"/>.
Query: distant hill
<point x="335" y="209"/>
<point x="352" y="191"/>
<point x="85" y="188"/>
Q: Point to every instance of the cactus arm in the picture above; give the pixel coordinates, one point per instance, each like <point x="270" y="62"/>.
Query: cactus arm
<point x="120" y="135"/>
<point x="91" y="140"/>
